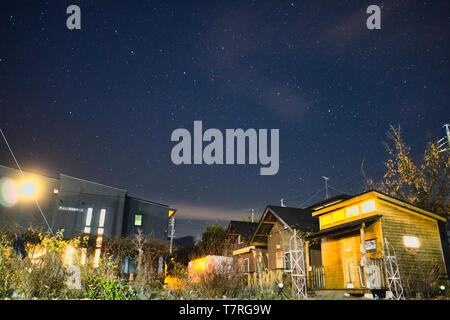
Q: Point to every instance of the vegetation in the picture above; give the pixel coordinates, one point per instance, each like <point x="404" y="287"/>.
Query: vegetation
<point x="424" y="182"/>
<point x="211" y="242"/>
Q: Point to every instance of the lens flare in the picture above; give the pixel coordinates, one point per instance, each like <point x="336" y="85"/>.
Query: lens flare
<point x="28" y="189"/>
<point x="9" y="192"/>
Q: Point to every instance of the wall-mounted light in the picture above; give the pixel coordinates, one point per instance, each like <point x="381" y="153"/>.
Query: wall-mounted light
<point x="172" y="212"/>
<point x="411" y="242"/>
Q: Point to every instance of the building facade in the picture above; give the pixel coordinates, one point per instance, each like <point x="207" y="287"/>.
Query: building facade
<point x="76" y="206"/>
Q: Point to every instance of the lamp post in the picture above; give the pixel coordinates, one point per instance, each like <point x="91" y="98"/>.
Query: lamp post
<point x="172" y="227"/>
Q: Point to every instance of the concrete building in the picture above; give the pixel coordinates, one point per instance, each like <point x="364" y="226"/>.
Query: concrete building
<point x="77" y="206"/>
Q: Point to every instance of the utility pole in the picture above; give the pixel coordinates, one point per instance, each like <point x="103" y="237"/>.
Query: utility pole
<point x="447" y="132"/>
<point x="172" y="232"/>
<point x="326" y="187"/>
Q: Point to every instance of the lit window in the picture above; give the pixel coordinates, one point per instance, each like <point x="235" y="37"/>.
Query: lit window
<point x="239" y="239"/>
<point x="100" y="231"/>
<point x="352" y="211"/>
<point x="138" y="219"/>
<point x="55" y="191"/>
<point x="87" y="229"/>
<point x="101" y="222"/>
<point x="88" y="217"/>
<point x="411" y="242"/>
<point x="368" y="206"/>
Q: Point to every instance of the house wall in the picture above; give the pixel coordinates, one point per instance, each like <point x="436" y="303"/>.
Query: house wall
<point x="82" y="194"/>
<point x="154" y="218"/>
<point x="341" y="256"/>
<point x="413" y="263"/>
<point x="277" y="245"/>
<point x="24" y="212"/>
<point x="231" y="244"/>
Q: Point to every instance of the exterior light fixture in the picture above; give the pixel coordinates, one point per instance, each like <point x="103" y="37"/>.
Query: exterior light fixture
<point x="280" y="288"/>
<point x="411" y="242"/>
<point x="172" y="212"/>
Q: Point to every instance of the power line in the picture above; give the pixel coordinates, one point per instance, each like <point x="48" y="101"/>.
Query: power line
<point x="23" y="175"/>
<point x="310" y="198"/>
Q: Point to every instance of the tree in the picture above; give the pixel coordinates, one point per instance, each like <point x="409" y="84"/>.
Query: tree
<point x="211" y="242"/>
<point x="425" y="183"/>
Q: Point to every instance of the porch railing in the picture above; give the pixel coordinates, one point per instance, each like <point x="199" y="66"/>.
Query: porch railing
<point x="316" y="279"/>
<point x="375" y="274"/>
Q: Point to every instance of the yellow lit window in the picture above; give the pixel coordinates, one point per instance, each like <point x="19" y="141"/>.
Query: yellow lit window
<point x="368" y="206"/>
<point x="324" y="220"/>
<point x="411" y="242"/>
<point x="338" y="215"/>
<point x="352" y="211"/>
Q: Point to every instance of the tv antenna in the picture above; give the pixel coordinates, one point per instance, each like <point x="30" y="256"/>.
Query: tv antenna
<point x="445" y="140"/>
<point x="326" y="187"/>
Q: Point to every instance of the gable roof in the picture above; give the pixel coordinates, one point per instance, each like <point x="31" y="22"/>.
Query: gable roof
<point x="292" y="218"/>
<point x="316" y="211"/>
<point x="244" y="228"/>
<point x="329" y="201"/>
<point x="298" y="218"/>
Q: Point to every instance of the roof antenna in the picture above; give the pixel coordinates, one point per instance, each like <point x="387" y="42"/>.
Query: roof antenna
<point x="326" y="187"/>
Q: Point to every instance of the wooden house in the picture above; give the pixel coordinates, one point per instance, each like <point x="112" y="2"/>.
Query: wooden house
<point x="238" y="235"/>
<point x="266" y="258"/>
<point x="358" y="233"/>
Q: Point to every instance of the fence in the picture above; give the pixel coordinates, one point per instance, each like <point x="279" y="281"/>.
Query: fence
<point x="375" y="274"/>
<point x="316" y="277"/>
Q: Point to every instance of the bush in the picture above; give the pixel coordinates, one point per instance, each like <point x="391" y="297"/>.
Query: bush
<point x="99" y="288"/>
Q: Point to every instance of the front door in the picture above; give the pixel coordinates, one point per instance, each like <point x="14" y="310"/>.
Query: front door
<point x="350" y="260"/>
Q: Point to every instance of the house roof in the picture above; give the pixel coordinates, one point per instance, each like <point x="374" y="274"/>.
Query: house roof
<point x="297" y="218"/>
<point x="244" y="228"/>
<point x="292" y="218"/>
<point x="318" y="210"/>
<point x="345" y="226"/>
<point x="330" y="201"/>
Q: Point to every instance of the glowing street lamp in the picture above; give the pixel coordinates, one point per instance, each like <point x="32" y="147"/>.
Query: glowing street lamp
<point x="28" y="189"/>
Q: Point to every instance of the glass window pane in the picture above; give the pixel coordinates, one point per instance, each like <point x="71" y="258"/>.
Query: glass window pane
<point x="138" y="220"/>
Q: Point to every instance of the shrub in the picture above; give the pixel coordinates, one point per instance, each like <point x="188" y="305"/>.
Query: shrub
<point x="99" y="288"/>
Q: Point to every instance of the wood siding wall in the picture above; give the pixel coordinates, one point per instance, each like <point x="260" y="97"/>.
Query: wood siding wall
<point x="279" y="236"/>
<point x="414" y="264"/>
<point x="343" y="252"/>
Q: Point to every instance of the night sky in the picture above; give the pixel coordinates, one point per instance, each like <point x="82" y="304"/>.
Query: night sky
<point x="101" y="103"/>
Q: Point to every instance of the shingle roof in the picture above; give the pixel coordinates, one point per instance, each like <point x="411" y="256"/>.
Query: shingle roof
<point x="244" y="228"/>
<point x="300" y="219"/>
<point x="329" y="201"/>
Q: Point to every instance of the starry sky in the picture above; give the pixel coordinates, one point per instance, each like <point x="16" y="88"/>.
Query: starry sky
<point x="101" y="103"/>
